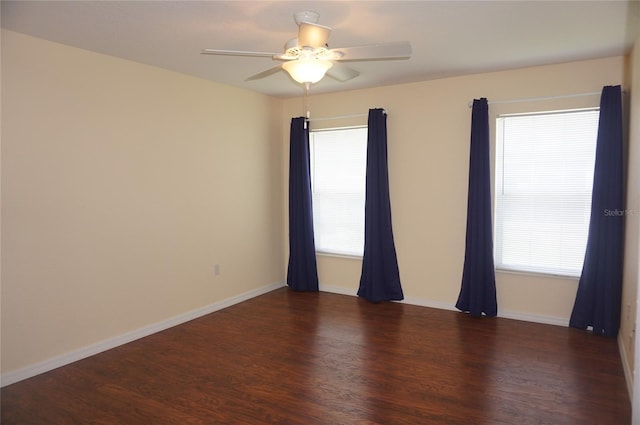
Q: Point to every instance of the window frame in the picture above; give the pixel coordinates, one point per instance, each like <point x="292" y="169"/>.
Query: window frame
<point x="329" y="251"/>
<point x="496" y="169"/>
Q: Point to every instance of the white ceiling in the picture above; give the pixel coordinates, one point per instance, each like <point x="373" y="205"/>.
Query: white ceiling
<point x="448" y="37"/>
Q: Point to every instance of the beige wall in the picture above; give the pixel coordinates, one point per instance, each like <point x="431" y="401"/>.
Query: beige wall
<point x="428" y="131"/>
<point x="122" y="185"/>
<point x="631" y="271"/>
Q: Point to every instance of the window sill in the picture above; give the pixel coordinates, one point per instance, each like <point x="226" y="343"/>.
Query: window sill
<point x="536" y="274"/>
<point x="336" y="255"/>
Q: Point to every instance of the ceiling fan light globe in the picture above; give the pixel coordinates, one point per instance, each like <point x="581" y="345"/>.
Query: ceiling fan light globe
<point x="307" y="70"/>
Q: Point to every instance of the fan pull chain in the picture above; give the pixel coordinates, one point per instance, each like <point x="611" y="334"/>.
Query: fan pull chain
<point x="305" y="101"/>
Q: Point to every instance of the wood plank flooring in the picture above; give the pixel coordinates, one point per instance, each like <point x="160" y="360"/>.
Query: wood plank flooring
<point x="320" y="358"/>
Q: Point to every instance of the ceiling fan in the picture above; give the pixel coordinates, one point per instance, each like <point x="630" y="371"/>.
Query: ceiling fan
<point x="308" y="57"/>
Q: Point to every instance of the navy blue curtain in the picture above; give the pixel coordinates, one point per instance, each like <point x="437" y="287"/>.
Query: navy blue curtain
<point x="380" y="278"/>
<point x="599" y="293"/>
<point x="478" y="289"/>
<point x="302" y="271"/>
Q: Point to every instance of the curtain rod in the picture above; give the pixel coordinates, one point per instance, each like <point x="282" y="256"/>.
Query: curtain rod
<point x="339" y="117"/>
<point x="535" y="99"/>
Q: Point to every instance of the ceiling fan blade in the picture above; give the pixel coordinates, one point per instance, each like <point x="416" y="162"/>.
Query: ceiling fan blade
<point x="342" y="72"/>
<point x="382" y="51"/>
<point x="313" y="35"/>
<point x="237" y="53"/>
<point x="266" y="73"/>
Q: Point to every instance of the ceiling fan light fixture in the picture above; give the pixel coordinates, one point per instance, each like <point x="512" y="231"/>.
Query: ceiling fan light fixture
<point x="305" y="70"/>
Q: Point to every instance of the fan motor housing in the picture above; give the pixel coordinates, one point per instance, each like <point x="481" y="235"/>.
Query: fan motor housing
<point x="306" y="16"/>
<point x="292" y="49"/>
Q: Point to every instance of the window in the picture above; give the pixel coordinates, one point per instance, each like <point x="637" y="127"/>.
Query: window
<point x="544" y="178"/>
<point x="338" y="170"/>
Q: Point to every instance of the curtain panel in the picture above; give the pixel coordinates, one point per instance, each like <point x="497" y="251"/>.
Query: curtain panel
<point x="380" y="278"/>
<point x="599" y="293"/>
<point x="478" y="289"/>
<point x="302" y="270"/>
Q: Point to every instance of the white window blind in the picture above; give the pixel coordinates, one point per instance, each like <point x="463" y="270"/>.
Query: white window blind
<point x="544" y="179"/>
<point x="338" y="176"/>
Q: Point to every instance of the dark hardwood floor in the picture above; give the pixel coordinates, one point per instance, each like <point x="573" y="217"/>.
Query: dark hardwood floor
<point x="320" y="358"/>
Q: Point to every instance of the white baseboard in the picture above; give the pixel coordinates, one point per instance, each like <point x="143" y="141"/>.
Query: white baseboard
<point x="67" y="358"/>
<point x="628" y="372"/>
<point x="337" y="290"/>
<point x="430" y="303"/>
<point x="536" y="318"/>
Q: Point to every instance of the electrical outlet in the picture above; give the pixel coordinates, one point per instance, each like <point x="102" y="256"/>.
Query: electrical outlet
<point x="216" y="269"/>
